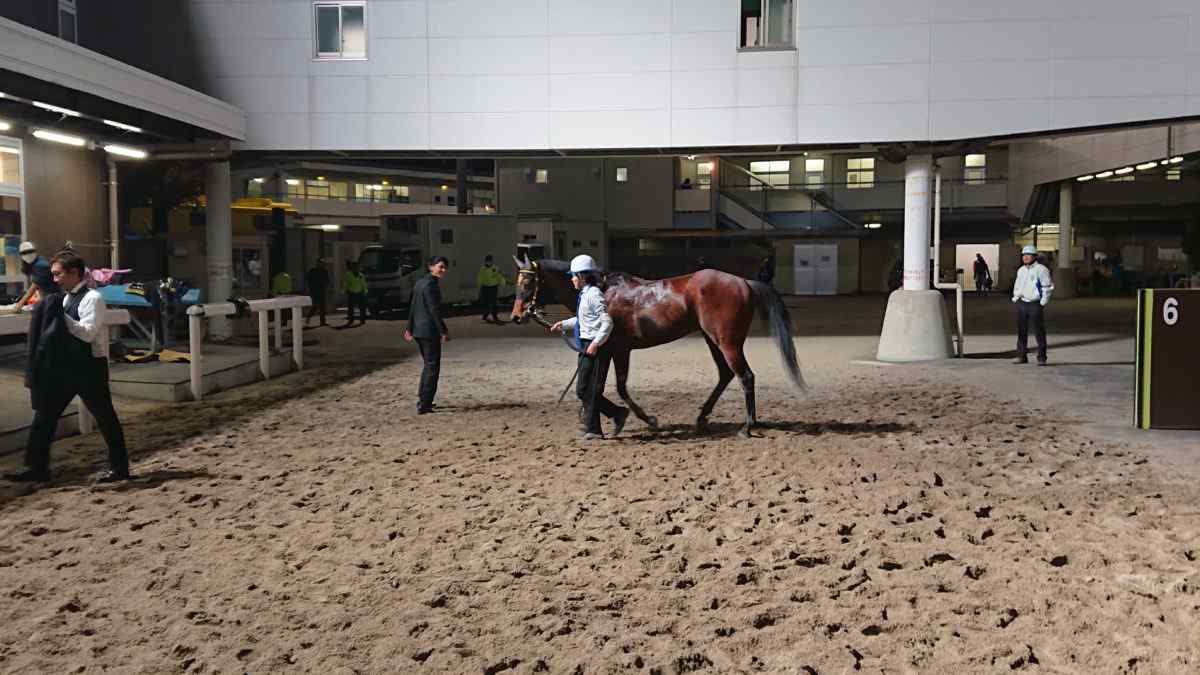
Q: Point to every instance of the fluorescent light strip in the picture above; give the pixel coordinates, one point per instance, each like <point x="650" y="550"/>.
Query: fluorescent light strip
<point x="1147" y="165"/>
<point x="1083" y="179"/>
<point x="4" y="126"/>
<point x="1175" y="160"/>
<point x="1104" y="174"/>
<point x="53" y="108"/>
<point x="59" y="138"/>
<point x="123" y="151"/>
<point x="258" y="180"/>
<point x="330" y="227"/>
<point x="8" y="150"/>
<point x="1124" y="170"/>
<point x="123" y="126"/>
<point x="293" y="181"/>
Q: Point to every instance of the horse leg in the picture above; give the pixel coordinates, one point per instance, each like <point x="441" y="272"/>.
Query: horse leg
<point x="725" y="377"/>
<point x="621" y="364"/>
<point x="736" y="360"/>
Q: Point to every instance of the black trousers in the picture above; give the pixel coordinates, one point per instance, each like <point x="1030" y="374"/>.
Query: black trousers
<point x="589" y="387"/>
<point x="1031" y="312"/>
<point x="90" y="383"/>
<point x="487" y="301"/>
<point x="356" y="300"/>
<point x="319" y="304"/>
<point x="431" y="354"/>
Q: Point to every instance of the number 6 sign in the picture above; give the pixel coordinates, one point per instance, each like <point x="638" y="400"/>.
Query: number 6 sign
<point x="1171" y="311"/>
<point x="1166" y="394"/>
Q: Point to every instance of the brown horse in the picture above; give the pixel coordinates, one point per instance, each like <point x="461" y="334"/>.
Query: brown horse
<point x="649" y="313"/>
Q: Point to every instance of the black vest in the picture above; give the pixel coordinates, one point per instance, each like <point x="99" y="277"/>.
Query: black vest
<point x="80" y="350"/>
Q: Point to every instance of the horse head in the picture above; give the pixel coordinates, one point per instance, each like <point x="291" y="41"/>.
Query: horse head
<point x="529" y="284"/>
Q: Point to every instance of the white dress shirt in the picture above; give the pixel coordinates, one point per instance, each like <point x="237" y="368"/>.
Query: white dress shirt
<point x="1033" y="284"/>
<point x="87" y="328"/>
<point x="592" y="318"/>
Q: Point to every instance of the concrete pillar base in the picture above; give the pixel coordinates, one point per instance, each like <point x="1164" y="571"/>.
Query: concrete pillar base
<point x="916" y="327"/>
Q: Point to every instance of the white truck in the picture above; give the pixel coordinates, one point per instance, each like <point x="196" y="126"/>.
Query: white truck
<point x="393" y="267"/>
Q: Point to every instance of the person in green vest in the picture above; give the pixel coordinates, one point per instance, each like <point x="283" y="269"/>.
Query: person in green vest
<point x="489" y="280"/>
<point x="355" y="283"/>
<point x="281" y="284"/>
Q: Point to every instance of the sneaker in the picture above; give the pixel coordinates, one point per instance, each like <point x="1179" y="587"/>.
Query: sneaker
<point x="619" y="420"/>
<point x="29" y="476"/>
<point x="1021" y="359"/>
<point x="591" y="436"/>
<point x="1041" y="362"/>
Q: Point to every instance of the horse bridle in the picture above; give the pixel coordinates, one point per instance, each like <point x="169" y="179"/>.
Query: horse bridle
<point x="534" y="309"/>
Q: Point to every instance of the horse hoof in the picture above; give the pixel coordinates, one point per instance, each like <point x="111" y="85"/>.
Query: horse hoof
<point x="745" y="433"/>
<point x="652" y="422"/>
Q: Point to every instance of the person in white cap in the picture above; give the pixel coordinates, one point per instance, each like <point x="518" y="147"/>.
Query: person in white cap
<point x="37" y="277"/>
<point x="1031" y="293"/>
<point x="593" y="326"/>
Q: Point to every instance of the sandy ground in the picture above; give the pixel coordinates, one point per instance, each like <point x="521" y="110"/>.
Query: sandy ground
<point x="888" y="520"/>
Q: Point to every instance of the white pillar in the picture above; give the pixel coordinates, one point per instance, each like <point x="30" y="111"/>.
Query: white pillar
<point x="915" y="325"/>
<point x="114" y="225"/>
<point x="918" y="171"/>
<point x="1064" y="277"/>
<point x="219" y="239"/>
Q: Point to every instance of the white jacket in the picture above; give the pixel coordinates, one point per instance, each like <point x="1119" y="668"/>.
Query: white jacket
<point x="1033" y="284"/>
<point x="592" y="317"/>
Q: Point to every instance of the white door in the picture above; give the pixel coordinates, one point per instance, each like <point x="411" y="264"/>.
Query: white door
<point x="825" y="258"/>
<point x="804" y="270"/>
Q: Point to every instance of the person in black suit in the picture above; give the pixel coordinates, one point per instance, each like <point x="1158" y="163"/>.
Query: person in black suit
<point x="425" y="324"/>
<point x="66" y="359"/>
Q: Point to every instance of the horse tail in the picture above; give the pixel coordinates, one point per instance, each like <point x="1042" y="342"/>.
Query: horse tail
<point x="777" y="316"/>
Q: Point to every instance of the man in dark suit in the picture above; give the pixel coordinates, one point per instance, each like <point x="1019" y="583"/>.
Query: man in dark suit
<point x="66" y="359"/>
<point x="425" y="324"/>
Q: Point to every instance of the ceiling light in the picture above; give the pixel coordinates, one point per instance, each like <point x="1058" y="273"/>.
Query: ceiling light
<point x="329" y="227"/>
<point x="1147" y="165"/>
<point x="1175" y="160"/>
<point x="3" y="95"/>
<point x="1104" y="174"/>
<point x="445" y="187"/>
<point x="293" y="181"/>
<point x="258" y="180"/>
<point x="1082" y="179"/>
<point x="53" y="108"/>
<point x="4" y="126"/>
<point x="691" y="157"/>
<point x="123" y="126"/>
<point x="320" y="177"/>
<point x="123" y="151"/>
<point x="11" y="151"/>
<point x="385" y="182"/>
<point x="872" y="226"/>
<point x="1124" y="170"/>
<point x="59" y="138"/>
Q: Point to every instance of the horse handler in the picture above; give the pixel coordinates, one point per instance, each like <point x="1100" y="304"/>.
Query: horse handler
<point x="592" y="326"/>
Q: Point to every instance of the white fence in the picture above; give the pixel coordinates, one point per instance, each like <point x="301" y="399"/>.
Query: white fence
<point x="197" y="314"/>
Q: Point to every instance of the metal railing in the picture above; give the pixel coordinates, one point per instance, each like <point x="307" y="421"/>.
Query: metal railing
<point x="197" y="314"/>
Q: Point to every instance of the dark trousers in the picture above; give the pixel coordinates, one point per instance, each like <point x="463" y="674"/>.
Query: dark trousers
<point x="431" y="354"/>
<point x="90" y="383"/>
<point x="356" y="300"/>
<point x="589" y="387"/>
<point x="319" y="305"/>
<point x="1028" y="312"/>
<point x="487" y="301"/>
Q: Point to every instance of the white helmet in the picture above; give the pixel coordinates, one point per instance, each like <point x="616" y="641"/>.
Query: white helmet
<point x="582" y="263"/>
<point x="1029" y="250"/>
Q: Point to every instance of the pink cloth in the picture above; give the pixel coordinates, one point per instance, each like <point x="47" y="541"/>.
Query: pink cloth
<point x="104" y="276"/>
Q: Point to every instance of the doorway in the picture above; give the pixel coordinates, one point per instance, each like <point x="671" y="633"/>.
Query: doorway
<point x="964" y="259"/>
<point x="815" y="269"/>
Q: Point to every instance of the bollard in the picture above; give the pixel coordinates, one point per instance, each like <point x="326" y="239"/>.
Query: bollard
<point x="195" y="337"/>
<point x="264" y="352"/>
<point x="297" y="338"/>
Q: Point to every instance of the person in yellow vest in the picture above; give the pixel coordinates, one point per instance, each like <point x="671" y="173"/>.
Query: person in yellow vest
<point x="489" y="280"/>
<point x="355" y="283"/>
<point x="281" y="284"/>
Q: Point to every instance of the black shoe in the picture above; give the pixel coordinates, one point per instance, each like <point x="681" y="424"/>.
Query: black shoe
<point x="424" y="410"/>
<point x="1041" y="362"/>
<point x="1021" y="359"/>
<point x="112" y="476"/>
<point x="619" y="420"/>
<point x="30" y="476"/>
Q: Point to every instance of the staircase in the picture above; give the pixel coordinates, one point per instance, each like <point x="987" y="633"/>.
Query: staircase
<point x="748" y="202"/>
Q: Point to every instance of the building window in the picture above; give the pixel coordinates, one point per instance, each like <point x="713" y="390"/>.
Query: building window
<point x="67" y="21"/>
<point x="777" y="173"/>
<point x="766" y="24"/>
<point x="341" y="30"/>
<point x="10" y="163"/>
<point x="541" y="176"/>
<point x="451" y="200"/>
<point x="437" y="199"/>
<point x="254" y="187"/>
<point x="975" y="169"/>
<point x="447" y="236"/>
<point x="622" y="174"/>
<point x="402" y="194"/>
<point x="295" y="188"/>
<point x="814" y="173"/>
<point x="1173" y="174"/>
<point x="860" y="172"/>
<point x="323" y="189"/>
<point x="704" y="175"/>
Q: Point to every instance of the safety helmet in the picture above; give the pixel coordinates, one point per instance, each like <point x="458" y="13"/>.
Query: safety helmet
<point x="582" y="263"/>
<point x="1029" y="250"/>
<point x="27" y="247"/>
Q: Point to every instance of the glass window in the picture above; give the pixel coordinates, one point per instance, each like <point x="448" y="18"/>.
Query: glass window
<point x="704" y="175"/>
<point x="340" y="30"/>
<point x="542" y="176"/>
<point x="860" y="172"/>
<point x="766" y="23"/>
<point x="1173" y="174"/>
<point x="814" y="173"/>
<point x="622" y="174"/>
<point x="254" y="187"/>
<point x="451" y="200"/>
<point x="975" y="169"/>
<point x="67" y="29"/>
<point x="776" y="172"/>
<point x="447" y="236"/>
<point x="10" y="165"/>
<point x="317" y="189"/>
<point x="295" y="188"/>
